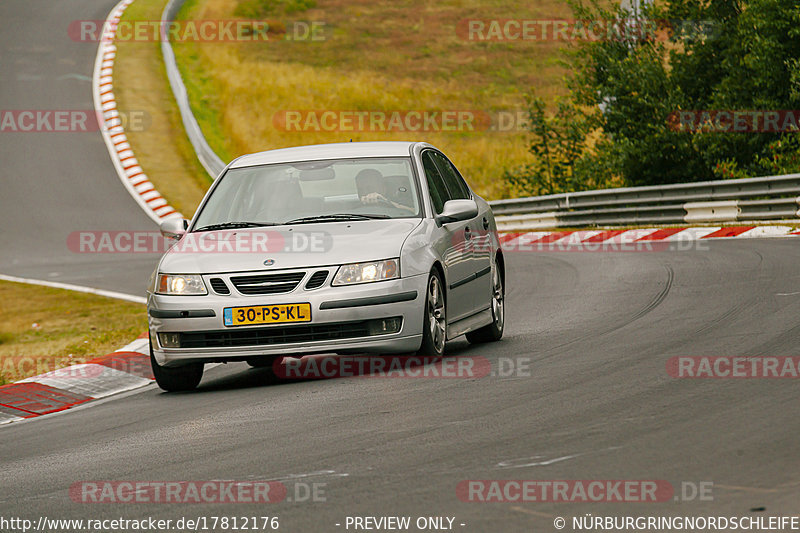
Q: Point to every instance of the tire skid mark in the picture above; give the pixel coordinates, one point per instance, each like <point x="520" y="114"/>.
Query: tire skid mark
<point x="655" y="302"/>
<point x="660" y="297"/>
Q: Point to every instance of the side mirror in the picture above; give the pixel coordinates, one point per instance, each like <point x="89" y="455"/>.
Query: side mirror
<point x="174" y="228"/>
<point x="457" y="210"/>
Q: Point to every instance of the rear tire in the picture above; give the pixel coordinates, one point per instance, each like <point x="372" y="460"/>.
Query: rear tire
<point x="494" y="331"/>
<point x="434" y="325"/>
<point x="179" y="378"/>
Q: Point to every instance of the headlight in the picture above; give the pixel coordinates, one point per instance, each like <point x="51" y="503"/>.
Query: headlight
<point x="181" y="284"/>
<point x="366" y="272"/>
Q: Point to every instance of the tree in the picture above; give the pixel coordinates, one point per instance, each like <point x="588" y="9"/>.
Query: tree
<point x="561" y="160"/>
<point x="736" y="55"/>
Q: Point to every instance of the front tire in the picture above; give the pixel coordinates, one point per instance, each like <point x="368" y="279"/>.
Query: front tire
<point x="177" y="379"/>
<point x="434" y="327"/>
<point x="494" y="331"/>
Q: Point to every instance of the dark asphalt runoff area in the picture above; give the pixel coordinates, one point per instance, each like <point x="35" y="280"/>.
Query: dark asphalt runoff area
<point x="57" y="183"/>
<point x="593" y="333"/>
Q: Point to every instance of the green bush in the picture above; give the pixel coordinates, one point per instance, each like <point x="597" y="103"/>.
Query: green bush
<point x="738" y="55"/>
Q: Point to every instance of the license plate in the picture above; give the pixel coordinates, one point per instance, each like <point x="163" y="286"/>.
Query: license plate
<point x="266" y="314"/>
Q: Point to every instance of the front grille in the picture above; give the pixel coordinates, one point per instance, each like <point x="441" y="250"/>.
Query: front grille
<point x="267" y="283"/>
<point x="317" y="279"/>
<point x="275" y="335"/>
<point x="219" y="286"/>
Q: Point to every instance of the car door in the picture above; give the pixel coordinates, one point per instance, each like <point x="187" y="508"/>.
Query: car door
<point x="476" y="235"/>
<point x="451" y="245"/>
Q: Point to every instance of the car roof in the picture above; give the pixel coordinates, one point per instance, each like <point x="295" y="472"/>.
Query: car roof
<point x="319" y="152"/>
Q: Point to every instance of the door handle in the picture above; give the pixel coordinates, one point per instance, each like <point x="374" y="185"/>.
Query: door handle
<point x="467" y="234"/>
<point x="485" y="223"/>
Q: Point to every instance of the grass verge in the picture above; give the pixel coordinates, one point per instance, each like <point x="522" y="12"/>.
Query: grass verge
<point x="376" y="56"/>
<point x="42" y="328"/>
<point x="161" y="146"/>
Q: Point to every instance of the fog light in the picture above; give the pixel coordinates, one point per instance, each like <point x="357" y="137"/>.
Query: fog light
<point x="170" y="340"/>
<point x="384" y="326"/>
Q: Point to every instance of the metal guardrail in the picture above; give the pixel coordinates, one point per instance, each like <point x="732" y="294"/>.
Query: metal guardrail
<point x="210" y="161"/>
<point x="752" y="199"/>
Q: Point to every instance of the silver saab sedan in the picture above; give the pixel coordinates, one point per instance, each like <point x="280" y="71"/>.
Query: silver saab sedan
<point x="352" y="248"/>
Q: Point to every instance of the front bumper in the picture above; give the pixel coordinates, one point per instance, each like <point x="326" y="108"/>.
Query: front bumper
<point x="332" y="308"/>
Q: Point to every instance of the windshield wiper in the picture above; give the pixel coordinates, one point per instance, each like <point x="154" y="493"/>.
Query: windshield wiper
<point x="231" y="225"/>
<point x="335" y="218"/>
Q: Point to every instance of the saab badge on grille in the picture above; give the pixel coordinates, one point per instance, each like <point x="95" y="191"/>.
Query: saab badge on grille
<point x="269" y="262"/>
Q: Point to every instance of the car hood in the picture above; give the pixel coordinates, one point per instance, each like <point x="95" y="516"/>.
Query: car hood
<point x="285" y="247"/>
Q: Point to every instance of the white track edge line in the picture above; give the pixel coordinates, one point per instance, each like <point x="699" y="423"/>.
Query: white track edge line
<point x="76" y="288"/>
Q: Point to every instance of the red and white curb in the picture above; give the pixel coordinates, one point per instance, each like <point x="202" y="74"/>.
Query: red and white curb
<point x="126" y="369"/>
<point x="556" y="239"/>
<point x="126" y="164"/>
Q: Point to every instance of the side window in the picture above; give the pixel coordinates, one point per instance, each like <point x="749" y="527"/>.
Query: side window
<point x="455" y="183"/>
<point x="436" y="186"/>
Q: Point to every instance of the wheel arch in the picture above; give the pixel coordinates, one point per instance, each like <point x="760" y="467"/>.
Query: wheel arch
<point x="500" y="261"/>
<point x="438" y="267"/>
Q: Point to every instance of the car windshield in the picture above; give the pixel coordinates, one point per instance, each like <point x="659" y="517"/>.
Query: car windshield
<point x="312" y="191"/>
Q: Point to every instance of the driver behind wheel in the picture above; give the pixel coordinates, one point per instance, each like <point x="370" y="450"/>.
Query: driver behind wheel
<point x="373" y="190"/>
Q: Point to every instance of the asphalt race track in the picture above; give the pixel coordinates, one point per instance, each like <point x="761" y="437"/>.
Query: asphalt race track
<point x="588" y="334"/>
<point x="596" y="329"/>
<point x="57" y="183"/>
